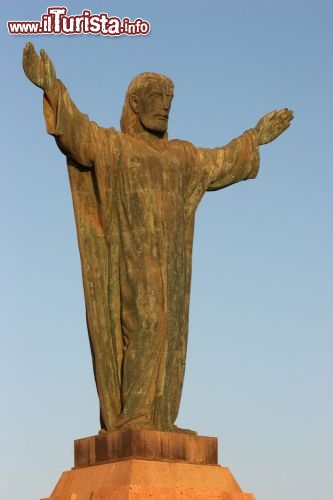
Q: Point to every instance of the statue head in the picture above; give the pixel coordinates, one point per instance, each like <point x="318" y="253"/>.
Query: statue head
<point x="147" y="104"/>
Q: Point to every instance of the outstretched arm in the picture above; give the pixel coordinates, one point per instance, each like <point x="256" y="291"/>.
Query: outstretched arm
<point x="75" y="134"/>
<point x="236" y="161"/>
<point x="239" y="160"/>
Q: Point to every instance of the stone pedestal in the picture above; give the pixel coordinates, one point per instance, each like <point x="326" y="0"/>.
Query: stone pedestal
<point x="147" y="445"/>
<point x="147" y="465"/>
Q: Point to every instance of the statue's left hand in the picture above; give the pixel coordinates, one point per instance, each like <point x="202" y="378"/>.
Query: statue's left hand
<point x="272" y="125"/>
<point x="39" y="70"/>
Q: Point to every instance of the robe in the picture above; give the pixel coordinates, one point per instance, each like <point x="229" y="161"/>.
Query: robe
<point x="134" y="209"/>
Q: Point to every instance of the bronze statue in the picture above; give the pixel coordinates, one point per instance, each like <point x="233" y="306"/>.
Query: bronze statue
<point x="135" y="194"/>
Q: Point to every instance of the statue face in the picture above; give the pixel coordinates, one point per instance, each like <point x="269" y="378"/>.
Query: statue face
<point x="153" y="106"/>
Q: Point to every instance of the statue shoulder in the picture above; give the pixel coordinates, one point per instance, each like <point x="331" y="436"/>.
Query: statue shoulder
<point x="187" y="147"/>
<point x="106" y="133"/>
<point x="182" y="142"/>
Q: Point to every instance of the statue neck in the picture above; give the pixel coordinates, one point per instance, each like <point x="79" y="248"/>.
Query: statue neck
<point x="156" y="141"/>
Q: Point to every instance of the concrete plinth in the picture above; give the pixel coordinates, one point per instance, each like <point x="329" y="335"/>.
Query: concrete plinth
<point x="147" y="445"/>
<point x="148" y="478"/>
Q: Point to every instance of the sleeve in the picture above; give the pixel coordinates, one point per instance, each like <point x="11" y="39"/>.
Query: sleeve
<point x="235" y="162"/>
<point x="75" y="134"/>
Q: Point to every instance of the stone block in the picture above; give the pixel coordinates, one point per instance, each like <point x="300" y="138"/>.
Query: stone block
<point x="147" y="445"/>
<point x="148" y="480"/>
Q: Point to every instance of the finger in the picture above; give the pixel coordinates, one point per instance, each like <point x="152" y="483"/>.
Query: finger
<point x="287" y="113"/>
<point x="289" y="110"/>
<point x="28" y="46"/>
<point x="47" y="61"/>
<point x="29" y="57"/>
<point x="31" y="50"/>
<point x="29" y="54"/>
<point x="287" y="116"/>
<point x="27" y="50"/>
<point x="44" y="55"/>
<point x="284" y="125"/>
<point x="283" y="118"/>
<point x="270" y="116"/>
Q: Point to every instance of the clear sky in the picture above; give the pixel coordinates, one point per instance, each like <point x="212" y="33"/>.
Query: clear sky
<point x="259" y="367"/>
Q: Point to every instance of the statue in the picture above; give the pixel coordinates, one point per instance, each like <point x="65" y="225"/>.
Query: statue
<point x="135" y="194"/>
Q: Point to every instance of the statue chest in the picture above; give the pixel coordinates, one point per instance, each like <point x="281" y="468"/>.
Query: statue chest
<point x="149" y="190"/>
<point x="146" y="170"/>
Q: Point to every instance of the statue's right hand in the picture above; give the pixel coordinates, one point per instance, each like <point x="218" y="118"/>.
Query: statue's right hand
<point x="39" y="70"/>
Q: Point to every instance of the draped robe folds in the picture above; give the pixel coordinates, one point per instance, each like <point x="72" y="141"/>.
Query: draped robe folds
<point x="134" y="210"/>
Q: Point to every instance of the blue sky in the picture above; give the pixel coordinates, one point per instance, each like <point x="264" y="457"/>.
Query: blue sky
<point x="259" y="367"/>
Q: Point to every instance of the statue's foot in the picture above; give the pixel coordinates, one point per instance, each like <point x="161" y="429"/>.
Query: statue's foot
<point x="148" y="426"/>
<point x="124" y="427"/>
<point x="184" y="431"/>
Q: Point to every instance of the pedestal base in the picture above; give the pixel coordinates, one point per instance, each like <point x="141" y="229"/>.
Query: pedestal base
<point x="137" y="464"/>
<point x="147" y="480"/>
